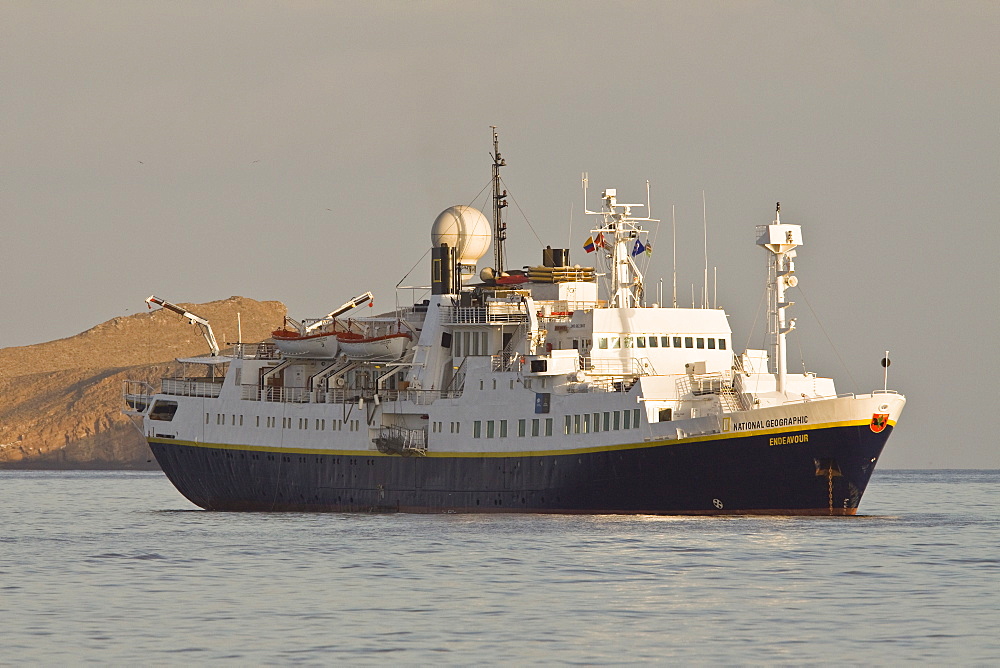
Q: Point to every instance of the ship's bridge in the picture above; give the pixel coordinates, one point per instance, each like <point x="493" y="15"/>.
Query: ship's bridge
<point x="669" y="338"/>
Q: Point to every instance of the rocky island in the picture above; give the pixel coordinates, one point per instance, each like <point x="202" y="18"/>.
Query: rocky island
<point x="61" y="401"/>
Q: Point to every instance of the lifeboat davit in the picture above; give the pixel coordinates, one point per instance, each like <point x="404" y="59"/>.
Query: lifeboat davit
<point x="312" y="346"/>
<point x="387" y="348"/>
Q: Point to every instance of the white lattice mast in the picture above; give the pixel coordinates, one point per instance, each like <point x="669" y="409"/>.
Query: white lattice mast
<point x="781" y="241"/>
<point x="618" y="234"/>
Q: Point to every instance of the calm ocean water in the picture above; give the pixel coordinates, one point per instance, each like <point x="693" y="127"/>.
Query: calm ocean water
<point x="118" y="568"/>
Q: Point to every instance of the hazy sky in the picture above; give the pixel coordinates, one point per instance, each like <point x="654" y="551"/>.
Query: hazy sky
<point x="300" y="151"/>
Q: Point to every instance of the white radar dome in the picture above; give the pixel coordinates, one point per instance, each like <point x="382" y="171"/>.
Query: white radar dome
<point x="464" y="228"/>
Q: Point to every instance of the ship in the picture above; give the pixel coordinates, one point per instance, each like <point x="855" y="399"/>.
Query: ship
<point x="554" y="388"/>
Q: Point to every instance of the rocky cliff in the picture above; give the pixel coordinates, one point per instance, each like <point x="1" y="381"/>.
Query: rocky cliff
<point x="61" y="401"/>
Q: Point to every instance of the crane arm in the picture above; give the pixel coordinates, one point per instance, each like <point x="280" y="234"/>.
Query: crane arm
<point x="206" y="329"/>
<point x="340" y="310"/>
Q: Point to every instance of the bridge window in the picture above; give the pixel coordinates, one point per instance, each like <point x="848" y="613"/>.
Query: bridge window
<point x="163" y="410"/>
<point x="477" y="429"/>
<point x="626" y="422"/>
<point x="653" y="340"/>
<point x="521" y="428"/>
<point x="548" y="426"/>
<point x="722" y="344"/>
<point x="534" y="427"/>
<point x="602" y="342"/>
<point x="503" y="429"/>
<point x="711" y="344"/>
<point x="677" y="342"/>
<point x="701" y="342"/>
<point x="689" y="342"/>
<point x="640" y="342"/>
<point x="489" y="428"/>
<point x="635" y="418"/>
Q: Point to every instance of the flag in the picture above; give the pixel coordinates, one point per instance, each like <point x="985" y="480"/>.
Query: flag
<point x="599" y="240"/>
<point x="589" y="246"/>
<point x="649" y="248"/>
<point x="638" y="249"/>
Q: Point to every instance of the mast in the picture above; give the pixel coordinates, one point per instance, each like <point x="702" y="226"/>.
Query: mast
<point x="499" y="203"/>
<point x="622" y="231"/>
<point x="780" y="240"/>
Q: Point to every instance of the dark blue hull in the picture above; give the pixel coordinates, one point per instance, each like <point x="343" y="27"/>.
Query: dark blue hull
<point x="758" y="474"/>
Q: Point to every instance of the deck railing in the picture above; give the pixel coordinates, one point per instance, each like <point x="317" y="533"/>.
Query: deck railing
<point x="256" y="351"/>
<point x="187" y="387"/>
<point x="300" y="395"/>
<point x="477" y="315"/>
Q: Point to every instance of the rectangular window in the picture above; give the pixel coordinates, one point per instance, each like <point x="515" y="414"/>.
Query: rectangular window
<point x="627" y="420"/>
<point x="617" y="418"/>
<point x="503" y="429"/>
<point x="701" y="343"/>
<point x="711" y="344"/>
<point x="653" y="341"/>
<point x="689" y="342"/>
<point x="241" y="420"/>
<point x="665" y="341"/>
<point x="628" y="341"/>
<point x="206" y="418"/>
<point x="640" y="342"/>
<point x="576" y="424"/>
<point x="477" y="429"/>
<point x="569" y="425"/>
<point x="677" y="342"/>
<point x="614" y="342"/>
<point x="521" y="425"/>
<point x="607" y="421"/>
<point x="635" y="418"/>
<point x="602" y="342"/>
<point x="534" y="427"/>
<point x="489" y="429"/>
<point x="722" y="344"/>
<point x="597" y="422"/>
<point x="586" y="423"/>
<point x="548" y="426"/>
<point x="258" y="421"/>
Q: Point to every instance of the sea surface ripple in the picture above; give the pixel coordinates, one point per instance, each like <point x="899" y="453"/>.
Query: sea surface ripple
<point x="117" y="568"/>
